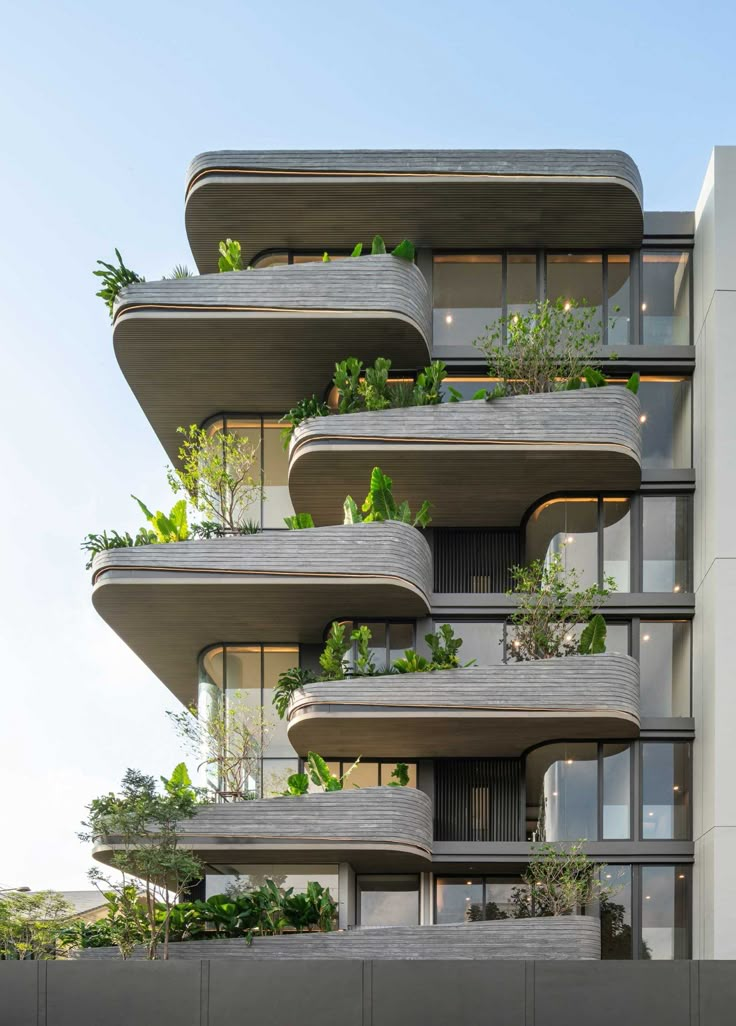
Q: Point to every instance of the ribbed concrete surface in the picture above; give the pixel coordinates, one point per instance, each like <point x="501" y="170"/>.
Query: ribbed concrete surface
<point x="480" y="463"/>
<point x="475" y="711"/>
<point x="442" y="199"/>
<point x="562" y="938"/>
<point x="258" y="341"/>
<point x="382" y="824"/>
<point x="168" y="602"/>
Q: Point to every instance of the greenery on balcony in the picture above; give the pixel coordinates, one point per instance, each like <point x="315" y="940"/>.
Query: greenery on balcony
<point x="336" y="664"/>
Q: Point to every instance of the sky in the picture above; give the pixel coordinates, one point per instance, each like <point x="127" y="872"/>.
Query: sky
<point x="99" y="117"/>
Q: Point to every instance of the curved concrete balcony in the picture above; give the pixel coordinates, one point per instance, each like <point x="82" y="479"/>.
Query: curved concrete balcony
<point x="479" y="463"/>
<point x="476" y="711"/>
<point x="559" y="938"/>
<point x="169" y="602"/>
<point x="258" y="341"/>
<point x="372" y="827"/>
<point x="446" y="199"/>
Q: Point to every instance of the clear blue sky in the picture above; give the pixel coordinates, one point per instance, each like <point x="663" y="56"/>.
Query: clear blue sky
<point x="101" y="109"/>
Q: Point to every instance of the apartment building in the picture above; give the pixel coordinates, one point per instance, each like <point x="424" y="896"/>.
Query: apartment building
<point x="632" y="749"/>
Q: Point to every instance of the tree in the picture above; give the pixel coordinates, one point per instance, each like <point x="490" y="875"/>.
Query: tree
<point x="230" y="741"/>
<point x="550" y="608"/>
<point x="220" y="474"/>
<point x="562" y="880"/>
<point x="31" y="924"/>
<point x="549" y="349"/>
<point x="141" y="824"/>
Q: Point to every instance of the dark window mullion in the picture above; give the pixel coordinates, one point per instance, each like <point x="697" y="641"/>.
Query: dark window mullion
<point x="604" y="301"/>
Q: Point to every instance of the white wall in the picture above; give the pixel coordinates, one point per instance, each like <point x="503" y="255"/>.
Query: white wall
<point x="714" y="654"/>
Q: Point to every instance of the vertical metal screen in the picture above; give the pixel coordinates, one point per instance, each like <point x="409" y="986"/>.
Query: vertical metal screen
<point x="477" y="799"/>
<point x="474" y="559"/>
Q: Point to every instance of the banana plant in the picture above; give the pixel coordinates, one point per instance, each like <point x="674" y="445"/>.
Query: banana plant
<point x="171" y="528"/>
<point x="299" y="521"/>
<point x="114" y="279"/>
<point x="380" y="505"/>
<point x="593" y="637"/>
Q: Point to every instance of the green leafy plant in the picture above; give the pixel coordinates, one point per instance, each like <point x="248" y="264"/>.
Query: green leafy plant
<point x="289" y="682"/>
<point x="374" y="388"/>
<point x="299" y="521"/>
<point x="220" y="475"/>
<point x="553" y="348"/>
<point x="380" y="505"/>
<point x="33" y="925"/>
<point x="347" y="383"/>
<point x="332" y="659"/>
<point x="231" y="258"/>
<point x="179" y="271"/>
<point x="405" y="250"/>
<point x="314" y="908"/>
<point x="550" y="607"/>
<point x="304" y="409"/>
<point x="94" y="543"/>
<point x="562" y="880"/>
<point x="171" y="528"/>
<point x="444" y="647"/>
<point x="322" y="777"/>
<point x="114" y="280"/>
<point x="297" y="784"/>
<point x="142" y="822"/>
<point x="399" y="775"/>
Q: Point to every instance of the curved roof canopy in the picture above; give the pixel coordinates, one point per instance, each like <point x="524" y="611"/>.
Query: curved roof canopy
<point x="473" y="711"/>
<point x="259" y="341"/>
<point x="479" y="463"/>
<point x="169" y="602"/>
<point x="445" y="199"/>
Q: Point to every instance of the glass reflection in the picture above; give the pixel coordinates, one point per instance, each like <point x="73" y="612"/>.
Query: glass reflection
<point x="481" y="641"/>
<point x="666" y="543"/>
<point x="577" y="278"/>
<point x="562" y="785"/>
<point x="617" y="542"/>
<point x="664" y="660"/>
<point x="388" y="900"/>
<point x="468" y="296"/>
<point x="666" y="422"/>
<point x="665" y="770"/>
<point x="615" y="912"/>
<point x="616" y="766"/>
<point x="665" y="298"/>
<point x="664" y="912"/>
<point x="619" y="299"/>
<point x="521" y="283"/>
<point x="239" y="879"/>
<point x="568" y="528"/>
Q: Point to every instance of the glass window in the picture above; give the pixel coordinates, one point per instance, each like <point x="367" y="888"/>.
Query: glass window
<point x="666" y="422"/>
<point x="666" y="543"/>
<point x="665" y="298"/>
<point x="578" y="278"/>
<point x="388" y="900"/>
<point x="386" y="770"/>
<point x="617" y="638"/>
<point x="562" y="788"/>
<point x="238" y="879"/>
<point x="236" y="686"/>
<point x="458" y="900"/>
<point x="276" y="501"/>
<point x="481" y="641"/>
<point x="665" y="769"/>
<point x="371" y="772"/>
<point x="568" y="527"/>
<point x="271" y="260"/>
<point x="365" y="774"/>
<point x="471" y="899"/>
<point x="615" y="912"/>
<point x="401" y="637"/>
<point x="619" y="299"/>
<point x="617" y="542"/>
<point x="665" y="898"/>
<point x="468" y="296"/>
<point x="664" y="659"/>
<point x="521" y="283"/>
<point x="616" y="766"/>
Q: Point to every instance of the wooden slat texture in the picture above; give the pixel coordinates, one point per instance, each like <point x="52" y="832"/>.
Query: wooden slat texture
<point x="479" y="463"/>
<point x="168" y="602"/>
<point x="558" y="938"/>
<point x="375" y="826"/>
<point x="258" y="341"/>
<point x="441" y="199"/>
<point x="475" y="711"/>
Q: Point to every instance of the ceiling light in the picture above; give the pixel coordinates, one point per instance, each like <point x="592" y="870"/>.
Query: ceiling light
<point x="643" y="306"/>
<point x="608" y="876"/>
<point x="645" y="637"/>
<point x="643" y="418"/>
<point x="651" y="813"/>
<point x="567" y="305"/>
<point x="448" y="318"/>
<point x="515" y="319"/>
<point x="676" y="588"/>
<point x="676" y="787"/>
<point x="554" y="794"/>
<point x="570" y="539"/>
<point x="680" y="876"/>
<point x="569" y="761"/>
<point x="647" y="897"/>
<point x="469" y="883"/>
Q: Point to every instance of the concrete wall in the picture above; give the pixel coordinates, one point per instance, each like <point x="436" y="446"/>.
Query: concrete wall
<point x="714" y="693"/>
<point x="366" y="993"/>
